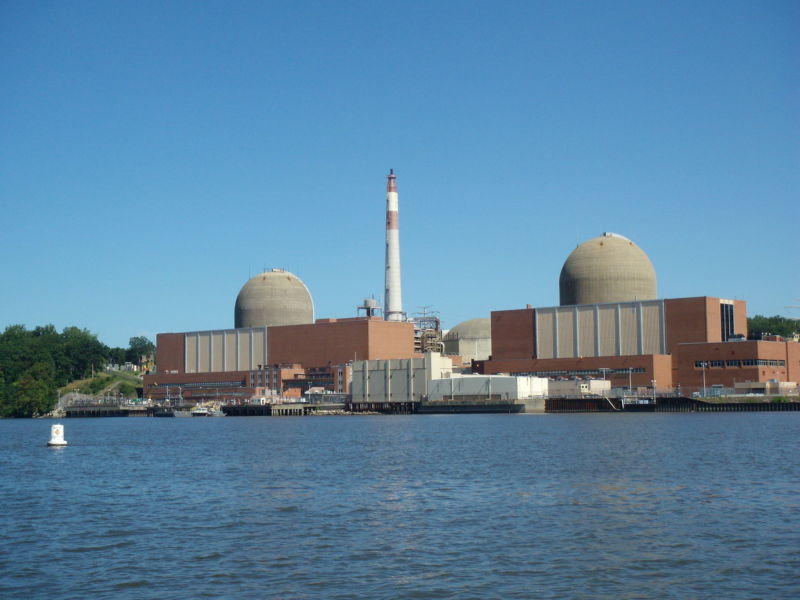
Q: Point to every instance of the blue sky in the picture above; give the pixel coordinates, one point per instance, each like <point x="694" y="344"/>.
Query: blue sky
<point x="155" y="155"/>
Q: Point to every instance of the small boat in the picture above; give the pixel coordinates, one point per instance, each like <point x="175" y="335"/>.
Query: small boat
<point x="205" y="411"/>
<point x="164" y="412"/>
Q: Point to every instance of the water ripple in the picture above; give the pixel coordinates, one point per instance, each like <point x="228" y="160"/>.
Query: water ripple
<point x="482" y="506"/>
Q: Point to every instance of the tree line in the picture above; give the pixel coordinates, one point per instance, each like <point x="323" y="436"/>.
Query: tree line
<point x="760" y="325"/>
<point x="35" y="363"/>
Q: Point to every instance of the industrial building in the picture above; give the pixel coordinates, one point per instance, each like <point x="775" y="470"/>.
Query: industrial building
<point x="431" y="379"/>
<point x="610" y="325"/>
<point x="403" y="380"/>
<point x="277" y="348"/>
<point x="280" y="360"/>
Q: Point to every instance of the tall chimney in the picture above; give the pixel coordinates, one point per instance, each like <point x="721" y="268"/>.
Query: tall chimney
<point x="393" y="303"/>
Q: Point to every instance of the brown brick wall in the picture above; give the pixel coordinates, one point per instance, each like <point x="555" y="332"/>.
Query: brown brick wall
<point x="793" y="361"/>
<point x="338" y="342"/>
<point x="390" y="340"/>
<point x="691" y="377"/>
<point x="713" y="320"/>
<point x="740" y="317"/>
<point x="323" y="344"/>
<point x="155" y="385"/>
<point x="170" y="352"/>
<point x="686" y="320"/>
<point x="513" y="333"/>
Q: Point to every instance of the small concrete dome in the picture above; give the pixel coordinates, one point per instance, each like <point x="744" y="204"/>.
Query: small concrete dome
<point x="470" y="339"/>
<point x="271" y="298"/>
<point x="608" y="268"/>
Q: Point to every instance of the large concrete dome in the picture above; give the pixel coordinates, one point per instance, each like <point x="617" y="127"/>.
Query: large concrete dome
<point x="470" y="339"/>
<point x="271" y="298"/>
<point x="608" y="268"/>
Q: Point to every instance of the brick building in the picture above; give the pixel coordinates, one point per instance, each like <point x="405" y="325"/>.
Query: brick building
<point x="682" y="343"/>
<point x="237" y="364"/>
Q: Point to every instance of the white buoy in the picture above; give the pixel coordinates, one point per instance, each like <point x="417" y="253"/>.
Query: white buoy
<point x="57" y="435"/>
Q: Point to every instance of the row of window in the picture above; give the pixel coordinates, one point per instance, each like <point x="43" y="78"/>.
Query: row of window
<point x="257" y="379"/>
<point x="201" y="384"/>
<point x="588" y="372"/>
<point x="746" y="362"/>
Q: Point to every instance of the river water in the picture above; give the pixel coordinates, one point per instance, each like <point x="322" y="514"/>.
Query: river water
<point x="456" y="506"/>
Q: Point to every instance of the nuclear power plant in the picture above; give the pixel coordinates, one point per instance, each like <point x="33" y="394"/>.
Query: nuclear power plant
<point x="610" y="327"/>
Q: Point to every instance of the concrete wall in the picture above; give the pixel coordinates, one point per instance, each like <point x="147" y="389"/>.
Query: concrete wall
<point x="578" y="387"/>
<point x="508" y="388"/>
<point x="619" y="329"/>
<point x="397" y="380"/>
<point x="220" y="351"/>
<point x="469" y="348"/>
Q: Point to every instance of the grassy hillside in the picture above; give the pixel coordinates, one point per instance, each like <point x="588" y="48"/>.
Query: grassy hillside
<point x="113" y="382"/>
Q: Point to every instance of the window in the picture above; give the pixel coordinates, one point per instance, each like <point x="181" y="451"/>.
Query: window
<point x="763" y="362"/>
<point x="726" y="321"/>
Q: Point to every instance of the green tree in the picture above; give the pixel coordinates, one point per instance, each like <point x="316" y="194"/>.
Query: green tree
<point x="33" y="393"/>
<point x="139" y="347"/>
<point x="33" y="363"/>
<point x="83" y="352"/>
<point x="3" y="393"/>
<point x="777" y="325"/>
<point x="18" y="351"/>
<point x="128" y="390"/>
<point x="117" y="355"/>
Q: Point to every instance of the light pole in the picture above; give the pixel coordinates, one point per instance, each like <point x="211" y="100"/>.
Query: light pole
<point x="630" y="370"/>
<point x="653" y="381"/>
<point x="703" y="365"/>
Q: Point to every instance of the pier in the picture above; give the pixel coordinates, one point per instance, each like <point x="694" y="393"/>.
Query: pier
<point x="112" y="407"/>
<point x="661" y="404"/>
<point x="110" y="410"/>
<point x="385" y="408"/>
<point x="284" y="409"/>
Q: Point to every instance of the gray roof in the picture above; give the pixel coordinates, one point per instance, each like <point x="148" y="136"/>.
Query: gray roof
<point x="272" y="298"/>
<point x="471" y="329"/>
<point x="608" y="268"/>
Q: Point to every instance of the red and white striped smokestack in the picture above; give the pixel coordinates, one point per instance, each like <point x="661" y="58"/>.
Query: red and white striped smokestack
<point x="393" y="309"/>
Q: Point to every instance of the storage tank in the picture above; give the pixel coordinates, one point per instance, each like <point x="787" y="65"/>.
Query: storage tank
<point x="470" y="339"/>
<point x="271" y="298"/>
<point x="608" y="268"/>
